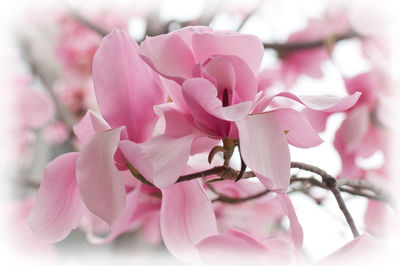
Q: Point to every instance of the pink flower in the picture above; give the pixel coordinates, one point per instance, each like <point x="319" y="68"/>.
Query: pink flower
<point x="360" y="134"/>
<point x="68" y="183"/>
<point x="308" y="61"/>
<point x="214" y="93"/>
<point x="239" y="247"/>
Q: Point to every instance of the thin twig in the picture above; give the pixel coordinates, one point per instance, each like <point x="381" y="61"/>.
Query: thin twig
<point x="249" y="15"/>
<point x="231" y="200"/>
<point x="330" y="183"/>
<point x="84" y="21"/>
<point x="344" y="209"/>
<point x="64" y="115"/>
<point x="294" y="46"/>
<point x="219" y="171"/>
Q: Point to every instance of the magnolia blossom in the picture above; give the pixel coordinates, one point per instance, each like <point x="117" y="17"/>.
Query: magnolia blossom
<point x="211" y="79"/>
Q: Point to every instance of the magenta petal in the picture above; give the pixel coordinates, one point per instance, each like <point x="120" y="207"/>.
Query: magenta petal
<point x="247" y="47"/>
<point x="300" y="133"/>
<point x="264" y="149"/>
<point x="187" y="217"/>
<point x="100" y="185"/>
<point x="58" y="208"/>
<point x="126" y="87"/>
<point x="90" y="125"/>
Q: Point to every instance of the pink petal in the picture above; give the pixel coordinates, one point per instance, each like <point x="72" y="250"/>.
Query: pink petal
<point x="160" y="160"/>
<point x="317" y="119"/>
<point x="90" y="125"/>
<point x="187" y="217"/>
<point x="300" y="133"/>
<point x="124" y="222"/>
<point x="169" y="55"/>
<point x="151" y="229"/>
<point x="368" y="83"/>
<point x="327" y="103"/>
<point x="247" y="47"/>
<point x="201" y="95"/>
<point x="126" y="87"/>
<point x="100" y="185"/>
<point x="265" y="150"/>
<point x="295" y="229"/>
<point x="203" y="144"/>
<point x="354" y="128"/>
<point x="232" y="73"/>
<point x="58" y="208"/>
<point x="364" y="250"/>
<point x="35" y="108"/>
<point x="138" y="158"/>
<point x="177" y="123"/>
<point x="232" y="250"/>
<point x="168" y="156"/>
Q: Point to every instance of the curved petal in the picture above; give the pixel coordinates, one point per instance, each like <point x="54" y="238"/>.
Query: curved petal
<point x="90" y="125"/>
<point x="169" y="55"/>
<point x="247" y="47"/>
<point x="160" y="160"/>
<point x="354" y="128"/>
<point x="300" y="133"/>
<point x="58" y="208"/>
<point x="327" y="103"/>
<point x="177" y="123"/>
<point x="295" y="229"/>
<point x="124" y="222"/>
<point x="201" y="95"/>
<point x="317" y="119"/>
<point x="232" y="250"/>
<point x="126" y="87"/>
<point x="168" y="157"/>
<point x="35" y="107"/>
<point x="187" y="217"/>
<point x="232" y="72"/>
<point x="265" y="150"/>
<point x="363" y="250"/>
<point x="100" y="185"/>
<point x="137" y="157"/>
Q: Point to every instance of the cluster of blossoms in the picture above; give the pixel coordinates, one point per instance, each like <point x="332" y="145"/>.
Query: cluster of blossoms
<point x="161" y="108"/>
<point x="202" y="87"/>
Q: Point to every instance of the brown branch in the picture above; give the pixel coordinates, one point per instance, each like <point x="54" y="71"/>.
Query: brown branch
<point x="284" y="48"/>
<point x="231" y="200"/>
<point x="85" y="22"/>
<point x="218" y="170"/>
<point x="330" y="183"/>
<point x="363" y="184"/>
<point x="344" y="209"/>
<point x="64" y="115"/>
<point x="249" y="15"/>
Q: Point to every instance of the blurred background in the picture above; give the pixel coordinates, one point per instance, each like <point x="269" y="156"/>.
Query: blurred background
<point x="46" y="87"/>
